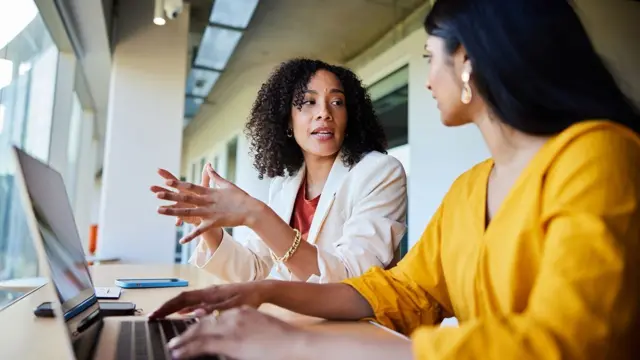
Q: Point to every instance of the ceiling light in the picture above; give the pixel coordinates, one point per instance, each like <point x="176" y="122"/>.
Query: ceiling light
<point x="216" y="47"/>
<point x="191" y="106"/>
<point x="158" y="13"/>
<point x="234" y="13"/>
<point x="200" y="82"/>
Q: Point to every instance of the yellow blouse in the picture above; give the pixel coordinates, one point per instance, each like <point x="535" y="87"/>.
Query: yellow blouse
<point x="554" y="275"/>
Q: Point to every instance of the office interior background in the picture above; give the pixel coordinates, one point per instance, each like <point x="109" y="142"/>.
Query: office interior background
<point x="107" y="91"/>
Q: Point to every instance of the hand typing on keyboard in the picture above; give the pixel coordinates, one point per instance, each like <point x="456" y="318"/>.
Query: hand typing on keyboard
<point x="241" y="333"/>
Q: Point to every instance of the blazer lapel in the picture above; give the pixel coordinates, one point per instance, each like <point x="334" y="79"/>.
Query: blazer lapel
<point x="338" y="172"/>
<point x="287" y="196"/>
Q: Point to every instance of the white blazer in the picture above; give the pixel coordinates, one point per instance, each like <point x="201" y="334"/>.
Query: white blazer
<point x="358" y="224"/>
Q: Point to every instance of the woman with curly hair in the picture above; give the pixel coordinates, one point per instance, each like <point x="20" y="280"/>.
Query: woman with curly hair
<point x="337" y="202"/>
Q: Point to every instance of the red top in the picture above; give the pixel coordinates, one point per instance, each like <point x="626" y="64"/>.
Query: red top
<point x="303" y="211"/>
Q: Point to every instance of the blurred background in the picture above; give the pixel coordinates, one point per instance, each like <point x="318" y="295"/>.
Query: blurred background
<point x="107" y="91"/>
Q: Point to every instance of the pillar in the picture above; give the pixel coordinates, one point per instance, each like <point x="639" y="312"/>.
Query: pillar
<point x="144" y="132"/>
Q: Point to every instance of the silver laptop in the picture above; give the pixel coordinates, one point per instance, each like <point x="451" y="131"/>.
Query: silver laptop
<point x="90" y="334"/>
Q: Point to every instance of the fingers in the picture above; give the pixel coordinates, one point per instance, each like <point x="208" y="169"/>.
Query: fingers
<point x="189" y="346"/>
<point x="183" y="212"/>
<point x="206" y="178"/>
<point x="199" y="230"/>
<point x="157" y="189"/>
<point x="183" y="198"/>
<point x="194" y="308"/>
<point x="184" y="300"/>
<point x="205" y="337"/>
<point x="167" y="175"/>
<point x="187" y="186"/>
<point x="214" y="175"/>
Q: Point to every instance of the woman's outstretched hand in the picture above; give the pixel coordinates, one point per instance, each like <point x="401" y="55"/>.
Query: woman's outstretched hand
<point x="167" y="175"/>
<point x="226" y="205"/>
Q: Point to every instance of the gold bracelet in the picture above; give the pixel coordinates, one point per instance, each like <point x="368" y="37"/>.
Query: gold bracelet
<point x="292" y="249"/>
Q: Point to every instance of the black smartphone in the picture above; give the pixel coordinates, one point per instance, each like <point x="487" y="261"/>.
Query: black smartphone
<point x="107" y="308"/>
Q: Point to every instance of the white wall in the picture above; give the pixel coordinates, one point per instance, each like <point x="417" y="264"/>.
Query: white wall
<point x="438" y="155"/>
<point x="144" y="132"/>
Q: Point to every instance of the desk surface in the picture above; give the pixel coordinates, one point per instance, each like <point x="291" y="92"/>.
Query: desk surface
<point x="23" y="336"/>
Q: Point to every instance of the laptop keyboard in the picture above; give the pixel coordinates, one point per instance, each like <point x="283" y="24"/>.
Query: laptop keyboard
<point x="142" y="340"/>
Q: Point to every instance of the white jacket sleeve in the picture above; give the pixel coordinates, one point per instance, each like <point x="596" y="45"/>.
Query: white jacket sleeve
<point x="235" y="261"/>
<point x="374" y="227"/>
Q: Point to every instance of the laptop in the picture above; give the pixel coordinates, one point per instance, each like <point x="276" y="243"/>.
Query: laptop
<point x="53" y="229"/>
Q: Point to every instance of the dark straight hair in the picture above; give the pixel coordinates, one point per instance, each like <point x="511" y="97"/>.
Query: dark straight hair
<point x="532" y="62"/>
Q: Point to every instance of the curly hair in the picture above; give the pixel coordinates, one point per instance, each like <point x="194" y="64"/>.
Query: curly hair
<point x="274" y="152"/>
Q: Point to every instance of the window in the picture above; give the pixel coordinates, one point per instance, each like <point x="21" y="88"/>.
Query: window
<point x="203" y="162"/>
<point x="73" y="149"/>
<point x="232" y="158"/>
<point x="28" y="64"/>
<point x="391" y="102"/>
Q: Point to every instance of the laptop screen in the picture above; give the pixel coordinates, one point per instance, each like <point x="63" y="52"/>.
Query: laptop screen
<point x="57" y="227"/>
<point x="68" y="267"/>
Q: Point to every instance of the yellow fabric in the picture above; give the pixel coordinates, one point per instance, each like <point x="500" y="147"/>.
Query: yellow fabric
<point x="555" y="274"/>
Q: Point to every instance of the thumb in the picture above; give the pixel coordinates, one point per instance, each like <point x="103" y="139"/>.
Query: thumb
<point x="219" y="180"/>
<point x="206" y="178"/>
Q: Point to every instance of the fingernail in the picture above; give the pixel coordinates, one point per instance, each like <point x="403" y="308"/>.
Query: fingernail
<point x="173" y="343"/>
<point x="162" y="210"/>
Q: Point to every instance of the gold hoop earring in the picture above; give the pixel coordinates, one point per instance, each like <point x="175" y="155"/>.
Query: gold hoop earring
<point x="466" y="88"/>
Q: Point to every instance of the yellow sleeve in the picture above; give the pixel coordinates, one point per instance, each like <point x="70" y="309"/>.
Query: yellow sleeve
<point x="585" y="301"/>
<point x="408" y="295"/>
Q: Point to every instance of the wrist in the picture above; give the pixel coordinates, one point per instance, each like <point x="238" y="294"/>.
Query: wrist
<point x="256" y="210"/>
<point x="269" y="290"/>
<point x="213" y="238"/>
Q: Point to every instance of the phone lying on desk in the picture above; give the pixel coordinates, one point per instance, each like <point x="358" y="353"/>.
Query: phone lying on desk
<point x="150" y="283"/>
<point x="107" y="308"/>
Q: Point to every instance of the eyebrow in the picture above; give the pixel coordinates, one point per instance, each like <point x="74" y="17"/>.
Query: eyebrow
<point x="333" y="91"/>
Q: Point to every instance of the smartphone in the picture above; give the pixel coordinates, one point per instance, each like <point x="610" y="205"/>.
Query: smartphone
<point x="107" y="308"/>
<point x="150" y="283"/>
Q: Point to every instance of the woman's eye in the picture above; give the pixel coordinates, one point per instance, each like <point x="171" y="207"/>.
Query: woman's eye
<point x="337" y="102"/>
<point x="309" y="102"/>
<point x="428" y="57"/>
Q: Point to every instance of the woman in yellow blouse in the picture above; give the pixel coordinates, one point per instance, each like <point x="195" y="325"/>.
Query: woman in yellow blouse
<point x="536" y="251"/>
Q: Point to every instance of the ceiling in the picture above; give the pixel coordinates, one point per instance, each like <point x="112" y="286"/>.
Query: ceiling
<point x="331" y="30"/>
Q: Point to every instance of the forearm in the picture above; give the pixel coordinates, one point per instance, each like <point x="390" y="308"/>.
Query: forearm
<point x="279" y="237"/>
<point x="317" y="345"/>
<point x="333" y="301"/>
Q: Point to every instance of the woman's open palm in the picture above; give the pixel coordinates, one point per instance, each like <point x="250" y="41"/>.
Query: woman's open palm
<point x="225" y="205"/>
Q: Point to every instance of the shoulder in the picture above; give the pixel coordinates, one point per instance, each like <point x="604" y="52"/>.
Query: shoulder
<point x="378" y="164"/>
<point x="594" y="151"/>
<point x="597" y="138"/>
<point x="375" y="173"/>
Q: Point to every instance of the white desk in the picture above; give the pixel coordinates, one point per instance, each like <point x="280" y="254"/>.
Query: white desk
<point x="23" y="336"/>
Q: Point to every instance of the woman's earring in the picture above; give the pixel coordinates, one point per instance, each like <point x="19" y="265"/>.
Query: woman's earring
<point x="289" y="133"/>
<point x="466" y="89"/>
